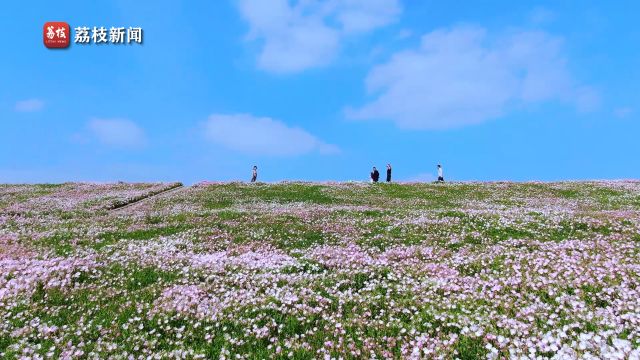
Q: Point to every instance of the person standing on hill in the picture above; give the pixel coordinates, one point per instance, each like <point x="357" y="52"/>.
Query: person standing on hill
<point x="388" y="173"/>
<point x="440" y="177"/>
<point x="254" y="174"/>
<point x="375" y="175"/>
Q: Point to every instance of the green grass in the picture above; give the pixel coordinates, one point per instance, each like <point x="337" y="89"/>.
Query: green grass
<point x="141" y="278"/>
<point x="470" y="348"/>
<point x="590" y="295"/>
<point x="219" y="203"/>
<point x="109" y="238"/>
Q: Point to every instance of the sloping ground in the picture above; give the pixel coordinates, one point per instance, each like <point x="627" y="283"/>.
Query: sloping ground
<point x="69" y="197"/>
<point x="306" y="270"/>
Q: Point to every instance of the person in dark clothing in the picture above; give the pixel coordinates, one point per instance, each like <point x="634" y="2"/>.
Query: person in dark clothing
<point x="254" y="174"/>
<point x="388" y="173"/>
<point x="375" y="175"/>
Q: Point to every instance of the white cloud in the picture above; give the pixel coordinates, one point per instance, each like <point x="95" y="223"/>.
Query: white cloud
<point x="463" y="76"/>
<point x="404" y="34"/>
<point x="541" y="16"/>
<point x="586" y="99"/>
<point x="365" y="15"/>
<point x="29" y="105"/>
<point x="622" y="112"/>
<point x="262" y="136"/>
<point x="307" y="33"/>
<point x="117" y="133"/>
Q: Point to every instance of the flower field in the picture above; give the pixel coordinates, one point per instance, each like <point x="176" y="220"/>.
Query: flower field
<point x="308" y="270"/>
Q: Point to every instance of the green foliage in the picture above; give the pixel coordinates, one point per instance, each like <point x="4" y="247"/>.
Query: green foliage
<point x="140" y="278"/>
<point x="592" y="296"/>
<point x="470" y="348"/>
<point x="217" y="203"/>
<point x="109" y="238"/>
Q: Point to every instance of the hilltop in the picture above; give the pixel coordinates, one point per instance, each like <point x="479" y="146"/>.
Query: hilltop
<point x="308" y="270"/>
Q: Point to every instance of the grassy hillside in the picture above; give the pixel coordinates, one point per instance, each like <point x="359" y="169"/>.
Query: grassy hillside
<point x="307" y="270"/>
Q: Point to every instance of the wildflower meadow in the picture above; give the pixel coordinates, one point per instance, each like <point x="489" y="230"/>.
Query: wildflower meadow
<point x="320" y="271"/>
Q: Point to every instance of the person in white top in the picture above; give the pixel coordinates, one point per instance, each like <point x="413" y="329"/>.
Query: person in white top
<point x="440" y="177"/>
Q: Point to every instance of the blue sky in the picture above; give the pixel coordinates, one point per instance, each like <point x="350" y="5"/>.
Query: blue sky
<point x="323" y="90"/>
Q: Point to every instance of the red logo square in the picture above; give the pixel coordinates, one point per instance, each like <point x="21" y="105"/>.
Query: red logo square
<point x="56" y="34"/>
